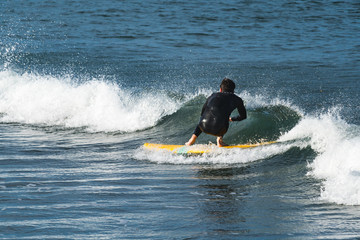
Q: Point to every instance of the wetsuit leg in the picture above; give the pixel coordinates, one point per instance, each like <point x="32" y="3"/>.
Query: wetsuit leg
<point x="213" y="127"/>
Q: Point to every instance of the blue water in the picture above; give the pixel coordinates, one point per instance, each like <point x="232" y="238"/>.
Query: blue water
<point x="83" y="85"/>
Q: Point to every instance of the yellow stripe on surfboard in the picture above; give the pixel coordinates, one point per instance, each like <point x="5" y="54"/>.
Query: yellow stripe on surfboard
<point x="197" y="148"/>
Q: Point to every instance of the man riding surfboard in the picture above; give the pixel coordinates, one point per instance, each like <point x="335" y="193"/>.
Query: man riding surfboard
<point x="215" y="114"/>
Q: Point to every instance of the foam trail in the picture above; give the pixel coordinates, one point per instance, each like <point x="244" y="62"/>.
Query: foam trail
<point x="337" y="163"/>
<point x="97" y="105"/>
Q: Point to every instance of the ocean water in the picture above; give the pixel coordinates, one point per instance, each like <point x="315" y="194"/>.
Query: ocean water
<point x="84" y="84"/>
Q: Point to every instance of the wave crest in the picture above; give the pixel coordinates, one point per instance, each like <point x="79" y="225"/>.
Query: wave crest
<point x="96" y="104"/>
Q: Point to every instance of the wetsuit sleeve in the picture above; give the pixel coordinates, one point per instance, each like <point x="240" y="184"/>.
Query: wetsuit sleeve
<point x="242" y="112"/>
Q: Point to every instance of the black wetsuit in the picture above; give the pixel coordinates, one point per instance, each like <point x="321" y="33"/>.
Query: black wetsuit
<point x="216" y="112"/>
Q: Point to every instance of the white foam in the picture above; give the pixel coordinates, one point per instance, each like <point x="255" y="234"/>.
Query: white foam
<point x="96" y="104"/>
<point x="338" y="161"/>
<point x="340" y="167"/>
<point x="218" y="156"/>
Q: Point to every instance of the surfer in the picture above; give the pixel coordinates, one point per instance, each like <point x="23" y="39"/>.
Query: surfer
<point x="215" y="114"/>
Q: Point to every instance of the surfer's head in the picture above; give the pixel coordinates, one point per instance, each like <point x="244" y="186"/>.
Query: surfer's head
<point x="227" y="85"/>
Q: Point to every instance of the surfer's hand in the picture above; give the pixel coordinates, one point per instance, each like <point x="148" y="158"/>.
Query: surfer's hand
<point x="230" y="119"/>
<point x="191" y="140"/>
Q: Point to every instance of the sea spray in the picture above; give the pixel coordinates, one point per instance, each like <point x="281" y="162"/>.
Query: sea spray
<point x="253" y="101"/>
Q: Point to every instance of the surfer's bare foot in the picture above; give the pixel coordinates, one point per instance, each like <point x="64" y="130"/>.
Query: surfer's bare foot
<point x="191" y="140"/>
<point x="220" y="142"/>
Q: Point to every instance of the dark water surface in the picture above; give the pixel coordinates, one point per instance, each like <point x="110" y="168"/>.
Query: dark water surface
<point x="83" y="85"/>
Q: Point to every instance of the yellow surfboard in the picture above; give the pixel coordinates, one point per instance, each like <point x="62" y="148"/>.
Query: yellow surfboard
<point x="198" y="148"/>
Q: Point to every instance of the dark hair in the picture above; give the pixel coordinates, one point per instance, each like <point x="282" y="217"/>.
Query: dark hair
<point x="227" y="85"/>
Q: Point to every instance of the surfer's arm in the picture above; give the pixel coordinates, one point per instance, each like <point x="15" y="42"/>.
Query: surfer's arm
<point x="195" y="135"/>
<point x="242" y="113"/>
